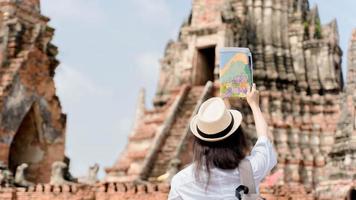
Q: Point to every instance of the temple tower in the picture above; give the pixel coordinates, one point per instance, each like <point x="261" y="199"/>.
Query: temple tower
<point x="341" y="165"/>
<point x="32" y="125"/>
<point x="297" y="64"/>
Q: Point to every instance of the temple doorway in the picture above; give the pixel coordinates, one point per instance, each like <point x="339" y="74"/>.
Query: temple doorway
<point x="204" y="65"/>
<point x="26" y="146"/>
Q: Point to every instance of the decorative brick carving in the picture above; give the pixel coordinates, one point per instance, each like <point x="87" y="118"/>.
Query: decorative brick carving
<point x="32" y="124"/>
<point x="297" y="67"/>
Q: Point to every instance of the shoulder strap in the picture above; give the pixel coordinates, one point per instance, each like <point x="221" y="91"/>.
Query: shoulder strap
<point x="246" y="175"/>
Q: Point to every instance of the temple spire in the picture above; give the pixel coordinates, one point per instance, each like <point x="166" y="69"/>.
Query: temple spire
<point x="314" y="23"/>
<point x="140" y="108"/>
<point x="34" y="5"/>
<point x="351" y="70"/>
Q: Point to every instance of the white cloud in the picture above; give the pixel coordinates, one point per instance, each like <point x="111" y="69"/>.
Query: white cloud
<point x="156" y="11"/>
<point x="74" y="10"/>
<point x="73" y="85"/>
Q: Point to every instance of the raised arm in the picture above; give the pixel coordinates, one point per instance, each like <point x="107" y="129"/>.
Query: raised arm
<point x="263" y="155"/>
<point x="253" y="98"/>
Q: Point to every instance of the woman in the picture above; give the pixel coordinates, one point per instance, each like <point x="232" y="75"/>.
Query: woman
<point x="219" y="147"/>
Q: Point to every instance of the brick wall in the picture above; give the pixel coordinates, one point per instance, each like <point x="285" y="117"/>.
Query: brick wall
<point x="151" y="191"/>
<point x="105" y="191"/>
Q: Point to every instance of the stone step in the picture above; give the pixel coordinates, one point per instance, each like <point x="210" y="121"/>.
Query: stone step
<point x="178" y="126"/>
<point x="172" y="140"/>
<point x="167" y="147"/>
<point x="176" y="132"/>
<point x="189" y="103"/>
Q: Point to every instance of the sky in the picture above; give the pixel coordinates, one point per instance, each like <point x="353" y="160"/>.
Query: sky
<point x="109" y="50"/>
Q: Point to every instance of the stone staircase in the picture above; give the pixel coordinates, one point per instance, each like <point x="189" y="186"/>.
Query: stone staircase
<point x="176" y="133"/>
<point x="139" y="144"/>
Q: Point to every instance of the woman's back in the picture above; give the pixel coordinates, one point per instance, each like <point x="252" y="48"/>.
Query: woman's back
<point x="222" y="183"/>
<point x="219" y="147"/>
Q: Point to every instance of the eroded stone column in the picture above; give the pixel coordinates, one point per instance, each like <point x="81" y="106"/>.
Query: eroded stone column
<point x="308" y="158"/>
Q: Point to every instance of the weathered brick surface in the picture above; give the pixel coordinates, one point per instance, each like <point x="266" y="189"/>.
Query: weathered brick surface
<point x="174" y="136"/>
<point x="297" y="68"/>
<point x="106" y="191"/>
<point x="144" y="134"/>
<point x="32" y="123"/>
<point x="122" y="191"/>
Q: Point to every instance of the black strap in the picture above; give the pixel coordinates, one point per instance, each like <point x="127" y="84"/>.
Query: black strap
<point x="239" y="190"/>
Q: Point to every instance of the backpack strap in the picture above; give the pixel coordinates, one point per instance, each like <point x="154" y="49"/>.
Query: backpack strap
<point x="246" y="175"/>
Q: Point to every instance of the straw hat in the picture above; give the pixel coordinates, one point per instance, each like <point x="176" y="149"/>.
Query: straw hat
<point x="214" y="122"/>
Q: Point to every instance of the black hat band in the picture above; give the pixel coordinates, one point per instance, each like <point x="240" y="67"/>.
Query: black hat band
<point x="219" y="134"/>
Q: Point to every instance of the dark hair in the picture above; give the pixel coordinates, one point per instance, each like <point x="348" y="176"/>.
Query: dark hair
<point x="351" y="194"/>
<point x="224" y="154"/>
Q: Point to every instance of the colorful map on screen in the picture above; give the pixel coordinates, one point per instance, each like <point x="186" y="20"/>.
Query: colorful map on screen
<point x="236" y="75"/>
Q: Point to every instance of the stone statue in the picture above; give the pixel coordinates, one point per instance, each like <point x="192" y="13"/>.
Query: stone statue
<point x="57" y="175"/>
<point x="20" y="179"/>
<point x="2" y="177"/>
<point x="6" y="176"/>
<point x="91" y="178"/>
<point x="66" y="173"/>
<point x="93" y="172"/>
<point x="173" y="169"/>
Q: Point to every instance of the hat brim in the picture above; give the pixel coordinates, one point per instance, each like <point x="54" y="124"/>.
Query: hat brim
<point x="237" y="122"/>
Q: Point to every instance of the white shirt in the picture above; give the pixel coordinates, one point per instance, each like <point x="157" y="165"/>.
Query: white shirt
<point x="222" y="183"/>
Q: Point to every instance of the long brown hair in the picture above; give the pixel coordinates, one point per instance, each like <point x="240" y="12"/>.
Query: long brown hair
<point x="224" y="154"/>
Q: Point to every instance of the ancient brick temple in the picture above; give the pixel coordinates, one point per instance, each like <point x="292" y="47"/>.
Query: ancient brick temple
<point x="297" y="69"/>
<point x="32" y="125"/>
